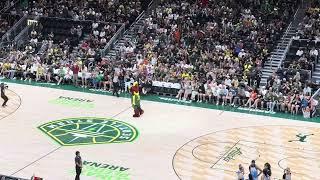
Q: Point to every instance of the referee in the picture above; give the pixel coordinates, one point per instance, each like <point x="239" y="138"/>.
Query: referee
<point x="78" y="162"/>
<point x="3" y="95"/>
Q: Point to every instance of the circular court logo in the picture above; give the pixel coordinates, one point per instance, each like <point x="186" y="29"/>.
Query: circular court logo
<point x="88" y="130"/>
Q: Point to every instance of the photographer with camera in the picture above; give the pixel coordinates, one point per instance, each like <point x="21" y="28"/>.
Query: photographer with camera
<point x="3" y="95"/>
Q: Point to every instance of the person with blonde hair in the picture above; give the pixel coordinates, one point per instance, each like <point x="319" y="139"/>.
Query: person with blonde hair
<point x="240" y="173"/>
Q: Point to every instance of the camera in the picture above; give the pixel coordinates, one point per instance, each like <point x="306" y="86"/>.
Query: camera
<point x="4" y="85"/>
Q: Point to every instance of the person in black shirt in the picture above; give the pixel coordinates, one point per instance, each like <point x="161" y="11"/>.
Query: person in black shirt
<point x="3" y="95"/>
<point x="78" y="162"/>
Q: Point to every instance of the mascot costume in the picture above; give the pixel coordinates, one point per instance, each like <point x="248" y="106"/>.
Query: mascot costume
<point x="135" y="100"/>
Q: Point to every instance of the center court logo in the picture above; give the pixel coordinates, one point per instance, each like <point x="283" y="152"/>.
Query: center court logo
<point x="88" y="130"/>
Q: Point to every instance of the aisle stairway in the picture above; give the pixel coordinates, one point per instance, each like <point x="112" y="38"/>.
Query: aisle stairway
<point x="316" y="74"/>
<point x="129" y="36"/>
<point x="279" y="53"/>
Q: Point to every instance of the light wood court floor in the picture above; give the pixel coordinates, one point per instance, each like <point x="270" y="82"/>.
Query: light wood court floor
<point x="40" y="133"/>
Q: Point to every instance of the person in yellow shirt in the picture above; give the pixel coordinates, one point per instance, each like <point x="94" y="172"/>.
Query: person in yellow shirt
<point x="40" y="72"/>
<point x="185" y="75"/>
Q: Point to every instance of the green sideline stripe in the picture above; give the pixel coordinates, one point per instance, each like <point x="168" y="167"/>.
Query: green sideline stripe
<point x="161" y="99"/>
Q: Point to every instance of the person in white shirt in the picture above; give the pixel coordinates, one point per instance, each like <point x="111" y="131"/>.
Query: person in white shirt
<point x="240" y="173"/>
<point x="102" y="33"/>
<point x="215" y="92"/>
<point x="314" y="54"/>
<point x="95" y="25"/>
<point x="299" y="52"/>
<point x="227" y="81"/>
<point x="95" y="32"/>
<point x="307" y="90"/>
<point x="242" y="53"/>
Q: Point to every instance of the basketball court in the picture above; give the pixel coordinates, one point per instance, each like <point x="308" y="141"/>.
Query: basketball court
<point x="42" y="128"/>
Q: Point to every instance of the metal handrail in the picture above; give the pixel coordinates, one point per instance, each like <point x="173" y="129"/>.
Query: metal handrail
<point x="114" y="38"/>
<point x="150" y="4"/>
<point x="316" y="93"/>
<point x="13" y="27"/>
<point x="8" y="7"/>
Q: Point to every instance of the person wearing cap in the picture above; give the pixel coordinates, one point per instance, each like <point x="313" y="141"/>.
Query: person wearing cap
<point x="3" y="95"/>
<point x="136" y="100"/>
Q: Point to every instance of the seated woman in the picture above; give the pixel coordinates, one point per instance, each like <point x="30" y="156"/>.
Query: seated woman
<point x="106" y="81"/>
<point x="260" y="100"/>
<point x="187" y="90"/>
<point x="295" y="103"/>
<point x="180" y="92"/>
<point x="252" y="98"/>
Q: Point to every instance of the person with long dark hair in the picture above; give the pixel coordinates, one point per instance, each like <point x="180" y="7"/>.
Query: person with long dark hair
<point x="3" y="94"/>
<point x="266" y="173"/>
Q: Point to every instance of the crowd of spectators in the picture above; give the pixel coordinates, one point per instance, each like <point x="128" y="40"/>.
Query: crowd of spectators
<point x="214" y="50"/>
<point x="5" y="4"/>
<point x="304" y="51"/>
<point x="309" y="27"/>
<point x="119" y="11"/>
<point x="7" y="20"/>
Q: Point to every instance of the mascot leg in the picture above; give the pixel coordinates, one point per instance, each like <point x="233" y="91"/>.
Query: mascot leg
<point x="140" y="110"/>
<point x="136" y="112"/>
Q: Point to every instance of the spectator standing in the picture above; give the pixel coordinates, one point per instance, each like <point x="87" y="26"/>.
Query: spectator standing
<point x="75" y="71"/>
<point x="115" y="84"/>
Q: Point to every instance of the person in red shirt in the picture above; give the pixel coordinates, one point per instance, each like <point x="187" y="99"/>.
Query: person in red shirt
<point x="252" y="98"/>
<point x="177" y="35"/>
<point x="75" y="70"/>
